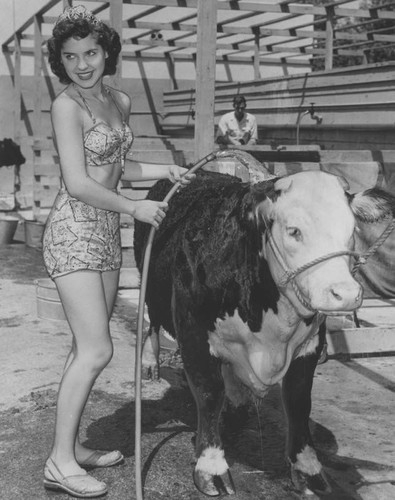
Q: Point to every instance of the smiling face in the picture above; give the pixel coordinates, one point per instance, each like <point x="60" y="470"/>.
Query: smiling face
<point x="83" y="60"/>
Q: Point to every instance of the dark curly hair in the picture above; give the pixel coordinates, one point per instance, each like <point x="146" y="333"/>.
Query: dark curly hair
<point x="107" y="37"/>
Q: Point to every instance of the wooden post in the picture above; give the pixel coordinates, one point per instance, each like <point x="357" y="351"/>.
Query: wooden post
<point x="257" y="71"/>
<point x="116" y="7"/>
<point x="37" y="76"/>
<point x="37" y="110"/>
<point x="17" y="114"/>
<point x="329" y="38"/>
<point x="205" y="77"/>
<point x="17" y="88"/>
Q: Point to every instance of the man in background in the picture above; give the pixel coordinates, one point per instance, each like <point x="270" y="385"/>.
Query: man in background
<point x="237" y="127"/>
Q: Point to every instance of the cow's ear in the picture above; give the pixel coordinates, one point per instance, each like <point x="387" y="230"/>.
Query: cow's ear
<point x="372" y="205"/>
<point x="283" y="185"/>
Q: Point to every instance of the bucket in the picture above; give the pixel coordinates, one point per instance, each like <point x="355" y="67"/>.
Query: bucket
<point x="8" y="227"/>
<point x="48" y="301"/>
<point x="34" y="233"/>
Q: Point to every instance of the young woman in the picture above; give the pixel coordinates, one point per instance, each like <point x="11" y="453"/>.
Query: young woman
<point x="81" y="246"/>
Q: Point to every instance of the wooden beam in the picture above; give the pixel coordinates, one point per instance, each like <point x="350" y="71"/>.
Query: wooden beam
<point x="30" y="21"/>
<point x="289" y="35"/>
<point x="37" y="77"/>
<point x="116" y="7"/>
<point x="329" y="39"/>
<point x="205" y="77"/>
<point x="37" y="103"/>
<point x="257" y="72"/>
<point x="17" y="89"/>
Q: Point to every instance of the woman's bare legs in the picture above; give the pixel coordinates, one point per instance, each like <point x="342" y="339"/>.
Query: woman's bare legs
<point x="88" y="298"/>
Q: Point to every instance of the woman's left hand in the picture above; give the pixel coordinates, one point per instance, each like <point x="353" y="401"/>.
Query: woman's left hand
<point x="180" y="174"/>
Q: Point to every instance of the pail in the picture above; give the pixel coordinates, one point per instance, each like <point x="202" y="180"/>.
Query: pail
<point x="8" y="227"/>
<point x="48" y="301"/>
<point x="34" y="233"/>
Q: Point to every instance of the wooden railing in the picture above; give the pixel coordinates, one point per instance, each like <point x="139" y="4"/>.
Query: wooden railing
<point x="356" y="104"/>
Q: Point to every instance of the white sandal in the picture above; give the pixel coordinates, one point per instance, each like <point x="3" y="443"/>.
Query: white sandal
<point x="79" y="485"/>
<point x="102" y="459"/>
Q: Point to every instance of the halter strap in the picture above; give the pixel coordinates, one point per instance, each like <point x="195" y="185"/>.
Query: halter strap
<point x="290" y="275"/>
<point x="86" y="104"/>
<point x="90" y="110"/>
<point x="114" y="101"/>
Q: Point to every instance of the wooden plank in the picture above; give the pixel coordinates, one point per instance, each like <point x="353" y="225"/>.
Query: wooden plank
<point x="329" y="38"/>
<point x="17" y="89"/>
<point x="152" y="156"/>
<point x="127" y="234"/>
<point x="46" y="169"/>
<point x="360" y="176"/>
<point x="116" y="7"/>
<point x="363" y="155"/>
<point x="361" y="340"/>
<point x="129" y="278"/>
<point x="205" y="77"/>
<point x="43" y="144"/>
<point x="37" y="76"/>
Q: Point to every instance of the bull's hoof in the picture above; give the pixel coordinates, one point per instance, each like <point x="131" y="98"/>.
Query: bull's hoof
<point x="150" y="372"/>
<point x="213" y="486"/>
<point x="310" y="485"/>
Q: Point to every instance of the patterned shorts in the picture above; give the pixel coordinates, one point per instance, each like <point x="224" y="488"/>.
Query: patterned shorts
<point x="79" y="237"/>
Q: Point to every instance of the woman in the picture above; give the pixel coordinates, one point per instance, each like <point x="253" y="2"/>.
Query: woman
<point x="81" y="246"/>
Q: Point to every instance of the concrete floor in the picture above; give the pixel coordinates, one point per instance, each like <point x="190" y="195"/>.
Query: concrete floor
<point x="353" y="401"/>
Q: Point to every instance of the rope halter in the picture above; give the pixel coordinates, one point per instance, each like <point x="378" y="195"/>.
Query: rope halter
<point x="290" y="275"/>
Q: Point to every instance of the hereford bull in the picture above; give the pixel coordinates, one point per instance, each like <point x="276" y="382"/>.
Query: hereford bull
<point x="242" y="276"/>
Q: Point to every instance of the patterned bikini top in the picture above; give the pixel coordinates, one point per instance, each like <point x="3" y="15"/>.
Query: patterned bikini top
<point x="104" y="144"/>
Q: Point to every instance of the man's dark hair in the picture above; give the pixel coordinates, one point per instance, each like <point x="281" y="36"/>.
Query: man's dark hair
<point x="239" y="99"/>
<point x="105" y="36"/>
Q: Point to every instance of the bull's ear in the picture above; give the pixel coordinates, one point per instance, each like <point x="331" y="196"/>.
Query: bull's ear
<point x="372" y="205"/>
<point x="260" y="205"/>
<point x="283" y="185"/>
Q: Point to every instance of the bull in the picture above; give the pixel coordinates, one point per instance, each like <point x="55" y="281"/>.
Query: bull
<point x="243" y="276"/>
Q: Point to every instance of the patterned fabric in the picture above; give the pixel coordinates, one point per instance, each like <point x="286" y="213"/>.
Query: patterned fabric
<point x="104" y="144"/>
<point x="78" y="237"/>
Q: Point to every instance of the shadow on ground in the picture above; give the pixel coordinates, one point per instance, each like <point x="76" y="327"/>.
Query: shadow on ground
<point x="254" y="437"/>
<point x="254" y="440"/>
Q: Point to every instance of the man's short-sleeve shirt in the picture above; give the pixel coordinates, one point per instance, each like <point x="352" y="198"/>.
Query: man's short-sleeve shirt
<point x="229" y="126"/>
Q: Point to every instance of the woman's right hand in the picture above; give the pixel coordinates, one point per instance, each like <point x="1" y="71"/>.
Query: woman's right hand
<point x="152" y="212"/>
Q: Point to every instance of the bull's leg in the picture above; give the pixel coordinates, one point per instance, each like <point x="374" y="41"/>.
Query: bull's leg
<point x="211" y="474"/>
<point x="150" y="354"/>
<point x="203" y="371"/>
<point x="306" y="470"/>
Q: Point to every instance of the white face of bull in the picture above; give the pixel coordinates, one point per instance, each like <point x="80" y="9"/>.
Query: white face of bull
<point x="311" y="219"/>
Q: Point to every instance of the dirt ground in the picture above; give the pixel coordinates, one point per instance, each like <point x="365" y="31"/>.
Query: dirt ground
<point x="352" y="416"/>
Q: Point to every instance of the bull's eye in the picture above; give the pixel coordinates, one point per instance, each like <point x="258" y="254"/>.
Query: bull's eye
<point x="294" y="233"/>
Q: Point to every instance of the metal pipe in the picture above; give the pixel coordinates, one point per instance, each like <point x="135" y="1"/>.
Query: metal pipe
<point x="310" y="111"/>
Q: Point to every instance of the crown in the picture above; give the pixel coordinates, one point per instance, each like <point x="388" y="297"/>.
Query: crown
<point x="77" y="13"/>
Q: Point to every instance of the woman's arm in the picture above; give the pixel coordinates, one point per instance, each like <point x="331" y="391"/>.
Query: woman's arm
<point x="140" y="171"/>
<point x="68" y="131"/>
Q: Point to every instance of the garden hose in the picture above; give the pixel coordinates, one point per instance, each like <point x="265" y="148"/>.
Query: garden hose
<point x="139" y="339"/>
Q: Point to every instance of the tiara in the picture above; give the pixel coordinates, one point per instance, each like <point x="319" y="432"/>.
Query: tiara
<point x="77" y="13"/>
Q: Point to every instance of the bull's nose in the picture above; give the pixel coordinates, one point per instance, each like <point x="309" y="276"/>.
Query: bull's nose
<point x="346" y="296"/>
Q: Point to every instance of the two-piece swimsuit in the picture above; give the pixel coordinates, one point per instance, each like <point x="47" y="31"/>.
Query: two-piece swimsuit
<point x="79" y="236"/>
